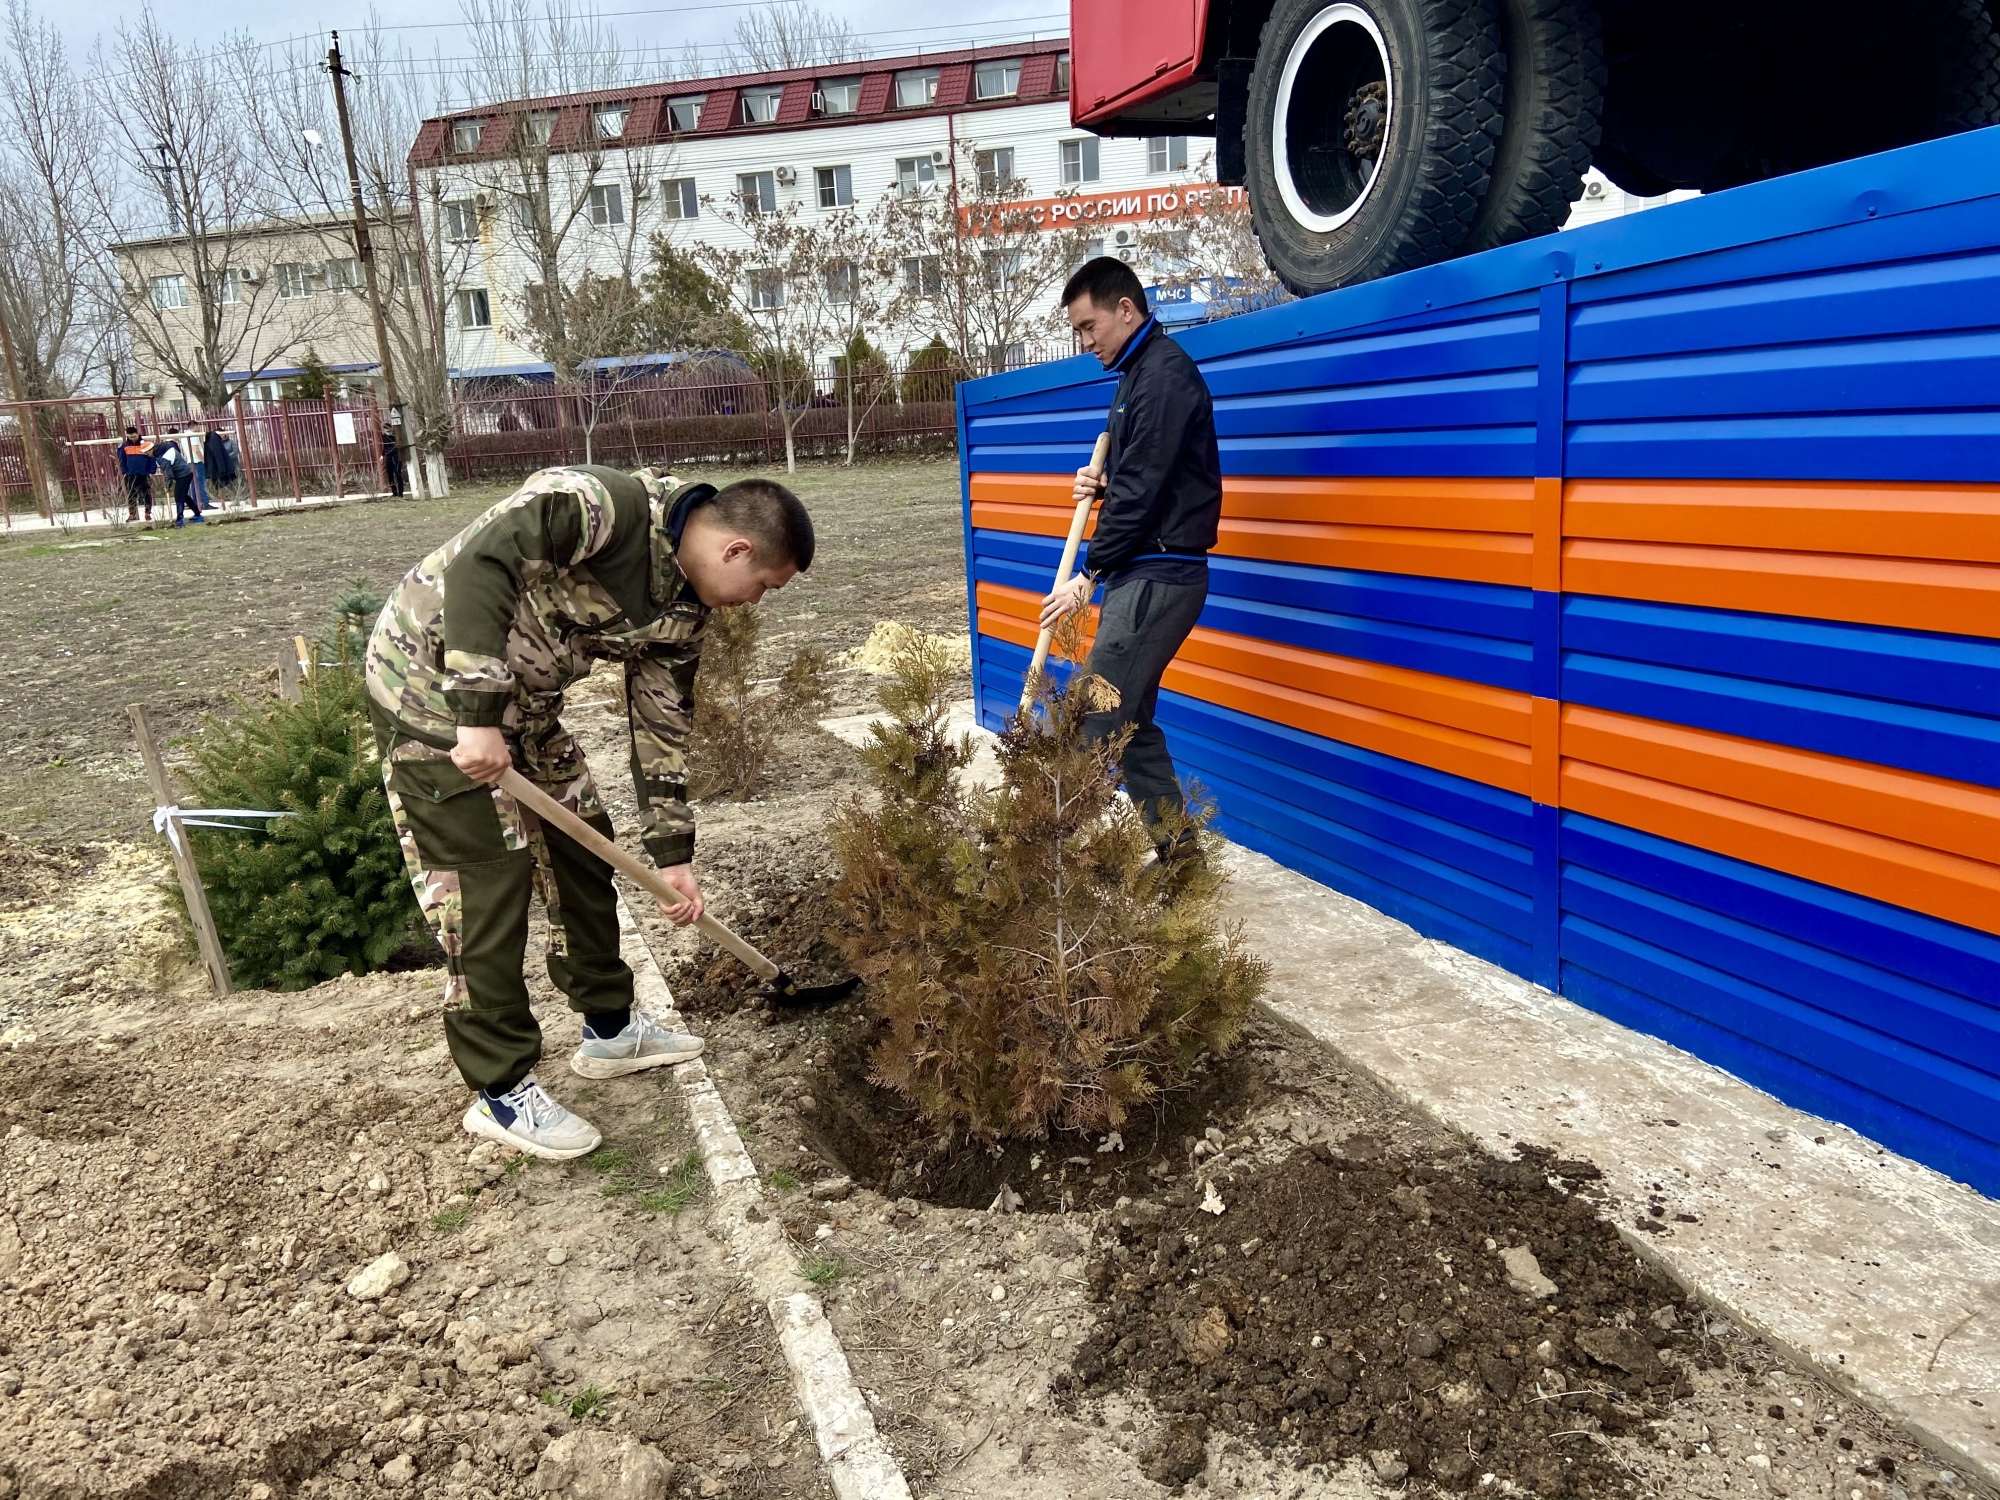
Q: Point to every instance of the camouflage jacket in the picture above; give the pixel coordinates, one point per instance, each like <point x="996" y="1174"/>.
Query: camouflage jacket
<point x="575" y="567"/>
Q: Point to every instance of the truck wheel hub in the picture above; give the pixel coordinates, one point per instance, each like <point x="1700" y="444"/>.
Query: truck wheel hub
<point x="1333" y="114"/>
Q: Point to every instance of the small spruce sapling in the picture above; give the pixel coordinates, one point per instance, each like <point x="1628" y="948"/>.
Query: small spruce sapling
<point x="1036" y="967"/>
<point x="736" y="721"/>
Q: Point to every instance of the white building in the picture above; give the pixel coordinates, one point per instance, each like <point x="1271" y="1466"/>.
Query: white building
<point x="658" y="158"/>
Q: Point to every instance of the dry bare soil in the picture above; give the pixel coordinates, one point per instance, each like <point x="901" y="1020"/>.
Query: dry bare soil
<point x="187" y="1186"/>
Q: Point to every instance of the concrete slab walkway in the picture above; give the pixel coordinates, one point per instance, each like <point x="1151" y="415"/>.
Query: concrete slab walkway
<point x="1879" y="1273"/>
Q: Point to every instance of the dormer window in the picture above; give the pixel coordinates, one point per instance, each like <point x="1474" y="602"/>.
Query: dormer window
<point x="837" y="96"/>
<point x="608" y="120"/>
<point x="1062" y="74"/>
<point x="997" y="80"/>
<point x="916" y="88"/>
<point x="540" y="126"/>
<point x="685" y="114"/>
<point x="465" y="136"/>
<point x="760" y="105"/>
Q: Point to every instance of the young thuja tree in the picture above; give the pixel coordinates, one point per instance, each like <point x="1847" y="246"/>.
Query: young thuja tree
<point x="738" y="717"/>
<point x="1036" y="967"/>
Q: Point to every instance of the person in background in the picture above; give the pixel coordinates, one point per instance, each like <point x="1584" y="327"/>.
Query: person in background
<point x="218" y="462"/>
<point x="197" y="453"/>
<point x="171" y="455"/>
<point x="135" y="462"/>
<point x="392" y="462"/>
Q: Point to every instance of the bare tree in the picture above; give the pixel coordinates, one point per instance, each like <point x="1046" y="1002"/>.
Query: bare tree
<point x="978" y="261"/>
<point x="792" y="34"/>
<point x="776" y="271"/>
<point x="50" y="145"/>
<point x="562" y="193"/>
<point x="1203" y="243"/>
<point x="858" y="275"/>
<point x="188" y="128"/>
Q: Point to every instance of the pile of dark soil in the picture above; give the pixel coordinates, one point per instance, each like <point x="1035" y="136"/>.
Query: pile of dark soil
<point x="879" y="1139"/>
<point x="785" y="913"/>
<point x="1340" y="1308"/>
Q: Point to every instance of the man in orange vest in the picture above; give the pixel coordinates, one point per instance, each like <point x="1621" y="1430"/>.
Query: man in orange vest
<point x="136" y="462"/>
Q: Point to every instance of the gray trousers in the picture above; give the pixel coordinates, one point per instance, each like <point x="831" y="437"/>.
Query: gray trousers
<point x="1141" y="625"/>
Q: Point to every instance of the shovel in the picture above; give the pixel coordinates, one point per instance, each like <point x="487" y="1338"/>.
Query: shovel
<point x="1100" y="454"/>
<point x="779" y="987"/>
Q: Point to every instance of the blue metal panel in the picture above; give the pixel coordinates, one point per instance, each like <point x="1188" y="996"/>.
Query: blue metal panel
<point x="1927" y="1018"/>
<point x="1547" y="897"/>
<point x="1939" y="447"/>
<point x="1438" y="352"/>
<point x="1797" y="1082"/>
<point x="1932" y="740"/>
<point x="1937" y="1087"/>
<point x="1927" y="950"/>
<point x="1955" y="672"/>
<point x="965" y="506"/>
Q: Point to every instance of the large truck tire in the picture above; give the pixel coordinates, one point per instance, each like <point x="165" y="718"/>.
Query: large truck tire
<point x="1555" y="90"/>
<point x="1370" y="134"/>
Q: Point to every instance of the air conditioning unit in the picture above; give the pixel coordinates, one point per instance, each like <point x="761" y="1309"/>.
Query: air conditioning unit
<point x="247" y="275"/>
<point x="939" y="158"/>
<point x="788" y="175"/>
<point x="1593" y="190"/>
<point x="483" y="199"/>
<point x="1123" y="238"/>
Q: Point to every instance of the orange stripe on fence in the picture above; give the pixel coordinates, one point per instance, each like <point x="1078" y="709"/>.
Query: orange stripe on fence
<point x="1951" y="816"/>
<point x="1957" y="597"/>
<point x="1944" y="885"/>
<point x="1465" y="728"/>
<point x="1473" y="529"/>
<point x="1946" y="522"/>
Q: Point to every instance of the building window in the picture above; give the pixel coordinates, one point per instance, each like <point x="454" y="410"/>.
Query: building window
<point x="678" y="199"/>
<point x="344" y="275"/>
<point x="917" y="88"/>
<point x="1002" y="266"/>
<point x="757" y="192"/>
<point x="767" y="290"/>
<point x="836" y="186"/>
<point x="473" y="310"/>
<point x="996" y="168"/>
<point x="607" y="204"/>
<point x="229" y="287"/>
<point x="843" y="282"/>
<point x="169" y="291"/>
<point x="685" y="114"/>
<point x="1001" y="357"/>
<point x="760" y="106"/>
<point x="838" y="96"/>
<point x="913" y="175"/>
<point x="1166" y="153"/>
<point x="406" y="269"/>
<point x="923" y="275"/>
<point x="465" y="136"/>
<point x="461" y="221"/>
<point x="526" y="211"/>
<point x="1079" y="161"/>
<point x="541" y="126"/>
<point x="609" y="121"/>
<point x="1062" y="74"/>
<point x="295" y="281"/>
<point x="997" y="80"/>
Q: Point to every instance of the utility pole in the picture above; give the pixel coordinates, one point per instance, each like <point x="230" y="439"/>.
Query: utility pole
<point x="31" y="438"/>
<point x="364" y="247"/>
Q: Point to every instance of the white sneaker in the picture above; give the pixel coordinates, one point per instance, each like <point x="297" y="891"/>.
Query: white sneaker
<point x="644" y="1043"/>
<point x="527" y="1119"/>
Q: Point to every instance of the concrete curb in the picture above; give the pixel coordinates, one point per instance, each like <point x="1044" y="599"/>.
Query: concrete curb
<point x="858" y="1462"/>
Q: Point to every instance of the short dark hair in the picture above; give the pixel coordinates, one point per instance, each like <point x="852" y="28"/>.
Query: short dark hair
<point x="1105" y="280"/>
<point x="770" y="515"/>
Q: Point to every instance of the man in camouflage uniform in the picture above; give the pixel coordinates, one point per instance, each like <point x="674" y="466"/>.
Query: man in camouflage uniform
<point x="466" y="673"/>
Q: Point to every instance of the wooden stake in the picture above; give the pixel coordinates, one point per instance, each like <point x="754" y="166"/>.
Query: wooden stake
<point x="206" y="937"/>
<point x="288" y="673"/>
<point x="304" y="655"/>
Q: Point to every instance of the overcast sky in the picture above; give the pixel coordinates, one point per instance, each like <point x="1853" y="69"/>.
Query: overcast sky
<point x="883" y="25"/>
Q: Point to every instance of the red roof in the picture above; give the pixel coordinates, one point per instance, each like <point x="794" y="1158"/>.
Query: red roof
<point x="720" y="114"/>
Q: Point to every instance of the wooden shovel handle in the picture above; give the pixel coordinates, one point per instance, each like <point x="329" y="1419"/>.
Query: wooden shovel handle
<point x="545" y="807"/>
<point x="1099" y="455"/>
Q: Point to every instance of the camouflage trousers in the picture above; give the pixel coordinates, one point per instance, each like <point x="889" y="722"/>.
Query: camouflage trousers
<point x="476" y="859"/>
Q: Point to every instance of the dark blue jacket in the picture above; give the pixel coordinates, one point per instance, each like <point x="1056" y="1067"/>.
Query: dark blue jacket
<point x="137" y="458"/>
<point x="1163" y="492"/>
<point x="177" y="464"/>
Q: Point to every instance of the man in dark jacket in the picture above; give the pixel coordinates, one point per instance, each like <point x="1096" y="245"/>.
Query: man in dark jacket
<point x="135" y="462"/>
<point x="171" y="457"/>
<point x="392" y="462"/>
<point x="1162" y="502"/>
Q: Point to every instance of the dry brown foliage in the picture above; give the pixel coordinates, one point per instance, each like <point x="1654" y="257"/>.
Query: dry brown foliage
<point x="1036" y="967"/>
<point x="737" y="717"/>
